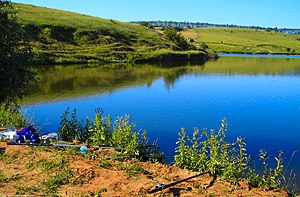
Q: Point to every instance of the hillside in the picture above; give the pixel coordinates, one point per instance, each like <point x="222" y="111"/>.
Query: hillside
<point x="238" y="40"/>
<point x="65" y="37"/>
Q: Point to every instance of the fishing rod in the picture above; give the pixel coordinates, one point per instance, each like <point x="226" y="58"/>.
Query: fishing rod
<point x="160" y="187"/>
<point x="66" y="145"/>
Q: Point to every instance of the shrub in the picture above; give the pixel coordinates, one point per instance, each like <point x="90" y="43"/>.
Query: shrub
<point x="11" y="115"/>
<point x="99" y="134"/>
<point x="209" y="151"/>
<point x="271" y="177"/>
<point x="214" y="154"/>
<point x="70" y="127"/>
<point x="176" y="38"/>
<point x="102" y="131"/>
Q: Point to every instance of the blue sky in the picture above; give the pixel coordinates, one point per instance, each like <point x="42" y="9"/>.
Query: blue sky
<point x="266" y="13"/>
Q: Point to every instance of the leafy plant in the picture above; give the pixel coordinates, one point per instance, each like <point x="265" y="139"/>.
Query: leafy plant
<point x="271" y="177"/>
<point x="11" y="115"/>
<point x="209" y="151"/>
<point x="102" y="131"/>
<point x="70" y="127"/>
<point x="99" y="134"/>
<point x="180" y="42"/>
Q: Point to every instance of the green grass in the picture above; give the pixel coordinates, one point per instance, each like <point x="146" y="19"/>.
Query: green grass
<point x="238" y="40"/>
<point x="66" y="38"/>
<point x="168" y="56"/>
<point x="11" y="115"/>
<point x="43" y="17"/>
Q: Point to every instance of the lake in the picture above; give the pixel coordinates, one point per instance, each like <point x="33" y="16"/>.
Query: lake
<point x="258" y="95"/>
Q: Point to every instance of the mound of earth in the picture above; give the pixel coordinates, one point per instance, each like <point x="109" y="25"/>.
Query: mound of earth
<point x="49" y="171"/>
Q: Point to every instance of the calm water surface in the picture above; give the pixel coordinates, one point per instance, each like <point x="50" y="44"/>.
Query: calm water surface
<point x="258" y="95"/>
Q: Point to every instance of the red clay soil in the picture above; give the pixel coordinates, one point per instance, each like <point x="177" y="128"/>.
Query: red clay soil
<point x="26" y="170"/>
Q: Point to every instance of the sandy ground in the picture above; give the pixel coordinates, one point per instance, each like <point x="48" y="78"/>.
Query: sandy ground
<point x="26" y="170"/>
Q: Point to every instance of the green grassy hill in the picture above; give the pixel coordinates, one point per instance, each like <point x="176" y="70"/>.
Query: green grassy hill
<point x="66" y="37"/>
<point x="237" y="40"/>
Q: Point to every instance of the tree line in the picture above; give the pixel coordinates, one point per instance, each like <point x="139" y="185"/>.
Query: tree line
<point x="164" y="24"/>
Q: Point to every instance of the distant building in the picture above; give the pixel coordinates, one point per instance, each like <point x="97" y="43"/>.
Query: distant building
<point x="183" y="25"/>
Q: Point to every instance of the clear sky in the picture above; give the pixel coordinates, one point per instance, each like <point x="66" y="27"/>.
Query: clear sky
<point x="265" y="13"/>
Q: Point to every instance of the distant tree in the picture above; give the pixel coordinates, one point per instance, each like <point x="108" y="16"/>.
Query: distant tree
<point x="177" y="28"/>
<point x="15" y="55"/>
<point x="176" y="38"/>
<point x="145" y="24"/>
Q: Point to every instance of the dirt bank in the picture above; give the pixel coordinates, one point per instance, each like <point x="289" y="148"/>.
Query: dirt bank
<point x="50" y="171"/>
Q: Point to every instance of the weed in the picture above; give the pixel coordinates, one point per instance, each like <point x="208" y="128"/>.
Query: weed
<point x="61" y="178"/>
<point x="100" y="134"/>
<point x="103" y="132"/>
<point x="213" y="153"/>
<point x="273" y="177"/>
<point x="11" y="115"/>
<point x="47" y="165"/>
<point x="91" y="155"/>
<point x="70" y="128"/>
<point x="135" y="169"/>
<point x="228" y="160"/>
<point x="97" y="193"/>
<point x="105" y="164"/>
<point x="4" y="158"/>
<point x="71" y="151"/>
<point x="5" y="179"/>
<point x="27" y="190"/>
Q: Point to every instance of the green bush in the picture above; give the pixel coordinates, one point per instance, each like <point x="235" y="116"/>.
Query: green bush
<point x="100" y="134"/>
<point x="102" y="131"/>
<point x="272" y="178"/>
<point x="210" y="151"/>
<point x="11" y="115"/>
<point x="176" y="38"/>
<point x="70" y="127"/>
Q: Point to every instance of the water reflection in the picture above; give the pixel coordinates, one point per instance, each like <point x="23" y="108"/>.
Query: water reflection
<point x="64" y="82"/>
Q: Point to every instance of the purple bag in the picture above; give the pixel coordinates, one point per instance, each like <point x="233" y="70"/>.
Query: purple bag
<point x="26" y="131"/>
<point x="28" y="134"/>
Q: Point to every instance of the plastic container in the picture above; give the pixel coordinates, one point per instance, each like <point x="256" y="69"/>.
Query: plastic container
<point x="83" y="150"/>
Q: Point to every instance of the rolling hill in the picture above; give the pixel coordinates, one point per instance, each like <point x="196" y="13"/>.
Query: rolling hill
<point x="61" y="37"/>
<point x="239" y="40"/>
<point x="65" y="37"/>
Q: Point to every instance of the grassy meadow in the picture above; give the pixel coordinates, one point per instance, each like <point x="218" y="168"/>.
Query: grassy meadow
<point x="65" y="37"/>
<point x="61" y="37"/>
<point x="237" y="40"/>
